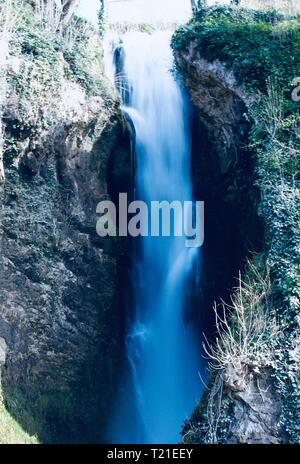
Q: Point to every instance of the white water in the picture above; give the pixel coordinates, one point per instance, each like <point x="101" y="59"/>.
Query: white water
<point x="162" y="354"/>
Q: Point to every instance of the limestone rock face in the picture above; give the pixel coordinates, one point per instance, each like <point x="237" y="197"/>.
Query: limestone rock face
<point x="256" y="413"/>
<point x="222" y="170"/>
<point x="241" y="405"/>
<point x="59" y="318"/>
<point x="220" y="102"/>
<point x="3" y="348"/>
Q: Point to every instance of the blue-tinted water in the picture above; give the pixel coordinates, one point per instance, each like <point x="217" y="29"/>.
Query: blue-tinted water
<point x="162" y="385"/>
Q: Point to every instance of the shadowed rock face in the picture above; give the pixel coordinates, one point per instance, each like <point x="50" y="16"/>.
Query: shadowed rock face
<point x="59" y="316"/>
<point x="223" y="172"/>
<point x="221" y="105"/>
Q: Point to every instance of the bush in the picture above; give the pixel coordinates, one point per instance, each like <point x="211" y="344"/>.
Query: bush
<point x="45" y="48"/>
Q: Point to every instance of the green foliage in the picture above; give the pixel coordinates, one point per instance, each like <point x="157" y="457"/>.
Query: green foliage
<point x="275" y="138"/>
<point x="253" y="44"/>
<point x="84" y="58"/>
<point x="101" y="18"/>
<point x="10" y="431"/>
<point x="148" y="28"/>
<point x="43" y="52"/>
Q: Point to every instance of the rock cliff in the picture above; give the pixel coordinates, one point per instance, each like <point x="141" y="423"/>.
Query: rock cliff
<point x="59" y="317"/>
<point x="241" y="404"/>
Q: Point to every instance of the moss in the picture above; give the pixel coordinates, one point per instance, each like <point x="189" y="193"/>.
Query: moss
<point x="10" y="431"/>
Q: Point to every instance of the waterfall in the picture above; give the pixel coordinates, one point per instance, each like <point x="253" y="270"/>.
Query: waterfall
<point x="163" y="358"/>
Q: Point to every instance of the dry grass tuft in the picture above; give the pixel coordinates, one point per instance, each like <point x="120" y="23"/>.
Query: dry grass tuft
<point x="244" y="326"/>
<point x="246" y="331"/>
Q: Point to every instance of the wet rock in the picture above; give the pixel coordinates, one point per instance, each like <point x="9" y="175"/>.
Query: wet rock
<point x="31" y="163"/>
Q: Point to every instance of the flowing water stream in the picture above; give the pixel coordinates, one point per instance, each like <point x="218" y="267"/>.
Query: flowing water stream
<point x="163" y="358"/>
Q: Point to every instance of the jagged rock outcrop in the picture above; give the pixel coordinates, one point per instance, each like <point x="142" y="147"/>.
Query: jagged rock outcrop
<point x="241" y="405"/>
<point x="256" y="410"/>
<point x="59" y="319"/>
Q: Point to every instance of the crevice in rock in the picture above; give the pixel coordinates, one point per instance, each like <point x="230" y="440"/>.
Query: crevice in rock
<point x="233" y="229"/>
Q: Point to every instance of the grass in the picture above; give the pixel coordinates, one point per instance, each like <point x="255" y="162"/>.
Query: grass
<point x="246" y="327"/>
<point x="10" y="431"/>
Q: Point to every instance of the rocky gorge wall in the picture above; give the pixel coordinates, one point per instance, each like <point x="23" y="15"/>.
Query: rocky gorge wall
<point x="59" y="314"/>
<point x="222" y="170"/>
<point x="240" y="404"/>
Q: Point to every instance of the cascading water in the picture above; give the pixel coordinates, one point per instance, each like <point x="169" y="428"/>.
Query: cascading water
<point x="162" y="353"/>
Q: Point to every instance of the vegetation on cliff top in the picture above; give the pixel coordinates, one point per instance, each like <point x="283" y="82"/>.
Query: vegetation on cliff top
<point x="46" y="43"/>
<point x="45" y="60"/>
<point x="261" y="49"/>
<point x="254" y="44"/>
